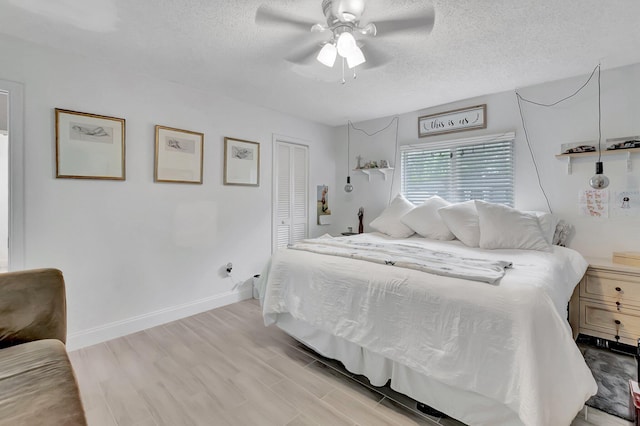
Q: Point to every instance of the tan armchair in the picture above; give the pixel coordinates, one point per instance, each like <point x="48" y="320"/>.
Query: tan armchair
<point x="37" y="384"/>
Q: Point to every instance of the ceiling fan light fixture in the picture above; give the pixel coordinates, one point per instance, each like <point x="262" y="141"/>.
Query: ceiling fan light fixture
<point x="355" y="58"/>
<point x="346" y="44"/>
<point x="369" y="29"/>
<point x="327" y="55"/>
<point x="344" y="8"/>
<point x="348" y="17"/>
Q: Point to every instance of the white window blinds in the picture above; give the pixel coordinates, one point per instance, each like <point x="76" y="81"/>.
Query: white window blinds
<point x="467" y="169"/>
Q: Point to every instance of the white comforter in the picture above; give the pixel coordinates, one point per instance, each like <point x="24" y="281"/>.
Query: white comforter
<point x="510" y="342"/>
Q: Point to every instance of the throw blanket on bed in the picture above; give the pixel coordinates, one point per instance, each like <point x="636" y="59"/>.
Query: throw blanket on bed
<point x="409" y="256"/>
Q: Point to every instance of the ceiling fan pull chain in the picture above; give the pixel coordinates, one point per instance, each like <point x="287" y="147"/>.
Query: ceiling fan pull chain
<point x="343" y="80"/>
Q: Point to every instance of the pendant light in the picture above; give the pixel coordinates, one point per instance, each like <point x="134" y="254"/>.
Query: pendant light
<point x="348" y="187"/>
<point x="599" y="180"/>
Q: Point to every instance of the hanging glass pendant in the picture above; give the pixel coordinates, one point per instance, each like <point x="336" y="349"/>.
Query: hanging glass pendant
<point x="599" y="180"/>
<point x="348" y="187"/>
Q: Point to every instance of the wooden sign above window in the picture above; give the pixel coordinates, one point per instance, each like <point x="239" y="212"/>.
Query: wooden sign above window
<point x="458" y="120"/>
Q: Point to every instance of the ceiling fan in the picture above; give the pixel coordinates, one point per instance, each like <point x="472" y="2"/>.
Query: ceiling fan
<point x="343" y="23"/>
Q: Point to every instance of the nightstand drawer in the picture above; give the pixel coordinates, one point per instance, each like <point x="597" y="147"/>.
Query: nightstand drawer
<point x="602" y="317"/>
<point x="611" y="287"/>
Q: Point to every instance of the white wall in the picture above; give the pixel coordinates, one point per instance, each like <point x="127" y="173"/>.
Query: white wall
<point x="134" y="253"/>
<point x="571" y="121"/>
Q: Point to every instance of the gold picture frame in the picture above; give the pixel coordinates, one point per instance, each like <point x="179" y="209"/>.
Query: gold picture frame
<point x="241" y="162"/>
<point x="89" y="146"/>
<point x="178" y="155"/>
<point x="457" y="120"/>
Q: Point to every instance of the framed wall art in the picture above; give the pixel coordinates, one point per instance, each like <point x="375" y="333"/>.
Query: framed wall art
<point x="457" y="120"/>
<point x="241" y="162"/>
<point x="89" y="146"/>
<point x="179" y="155"/>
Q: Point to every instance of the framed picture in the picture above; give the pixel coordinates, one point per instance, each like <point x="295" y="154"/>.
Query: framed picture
<point x="457" y="120"/>
<point x="241" y="162"/>
<point x="178" y="155"/>
<point x="89" y="146"/>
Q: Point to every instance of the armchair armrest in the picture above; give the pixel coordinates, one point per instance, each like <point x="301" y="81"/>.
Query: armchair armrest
<point x="32" y="306"/>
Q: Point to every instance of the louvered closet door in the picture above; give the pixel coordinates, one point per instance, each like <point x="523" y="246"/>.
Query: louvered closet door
<point x="291" y="194"/>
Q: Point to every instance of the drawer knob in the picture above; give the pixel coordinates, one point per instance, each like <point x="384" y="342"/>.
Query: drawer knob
<point x="618" y="305"/>
<point x="617" y="322"/>
<point x="618" y="289"/>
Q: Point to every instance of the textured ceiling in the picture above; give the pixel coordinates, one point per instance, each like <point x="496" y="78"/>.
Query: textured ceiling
<point x="476" y="47"/>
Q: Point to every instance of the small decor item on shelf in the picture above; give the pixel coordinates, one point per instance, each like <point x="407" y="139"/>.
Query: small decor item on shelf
<point x="623" y="143"/>
<point x="384" y="164"/>
<point x="360" y="218"/>
<point x="578" y="149"/>
<point x="359" y="158"/>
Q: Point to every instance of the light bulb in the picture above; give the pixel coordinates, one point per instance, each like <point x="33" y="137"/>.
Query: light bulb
<point x="355" y="58"/>
<point x="599" y="180"/>
<point x="346" y="44"/>
<point x="327" y="55"/>
<point x="348" y="187"/>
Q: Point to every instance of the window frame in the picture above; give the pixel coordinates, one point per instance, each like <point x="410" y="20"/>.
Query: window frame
<point x="451" y="189"/>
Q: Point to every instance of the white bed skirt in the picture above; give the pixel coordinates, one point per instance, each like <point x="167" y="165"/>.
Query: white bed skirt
<point x="468" y="407"/>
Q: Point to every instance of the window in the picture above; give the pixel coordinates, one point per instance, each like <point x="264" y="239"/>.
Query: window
<point x="468" y="169"/>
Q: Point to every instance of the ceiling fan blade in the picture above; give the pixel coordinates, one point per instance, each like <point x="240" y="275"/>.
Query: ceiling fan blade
<point x="424" y="22"/>
<point x="304" y="56"/>
<point x="268" y="16"/>
<point x="374" y="57"/>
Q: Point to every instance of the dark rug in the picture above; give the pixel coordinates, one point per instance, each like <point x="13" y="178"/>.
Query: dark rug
<point x="612" y="372"/>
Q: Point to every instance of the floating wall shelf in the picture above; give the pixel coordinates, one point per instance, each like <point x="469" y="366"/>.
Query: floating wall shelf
<point x="383" y="171"/>
<point x="627" y="151"/>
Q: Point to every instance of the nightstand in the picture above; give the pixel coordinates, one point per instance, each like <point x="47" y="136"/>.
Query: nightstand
<point x="606" y="303"/>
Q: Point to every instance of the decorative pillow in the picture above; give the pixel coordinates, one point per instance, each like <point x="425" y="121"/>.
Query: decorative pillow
<point x="389" y="220"/>
<point x="562" y="234"/>
<point x="462" y="221"/>
<point x="548" y="224"/>
<point x="503" y="227"/>
<point x="426" y="221"/>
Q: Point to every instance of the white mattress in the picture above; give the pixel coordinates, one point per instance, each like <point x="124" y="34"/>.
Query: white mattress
<point x="510" y="342"/>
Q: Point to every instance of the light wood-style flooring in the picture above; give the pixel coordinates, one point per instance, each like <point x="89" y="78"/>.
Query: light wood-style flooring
<point x="223" y="367"/>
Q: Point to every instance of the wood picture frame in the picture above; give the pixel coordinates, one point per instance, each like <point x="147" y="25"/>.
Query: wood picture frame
<point x="456" y="120"/>
<point x="178" y="155"/>
<point x="241" y="162"/>
<point x="89" y="146"/>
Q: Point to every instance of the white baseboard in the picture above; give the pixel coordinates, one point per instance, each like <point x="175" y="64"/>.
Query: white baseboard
<point x="116" y="329"/>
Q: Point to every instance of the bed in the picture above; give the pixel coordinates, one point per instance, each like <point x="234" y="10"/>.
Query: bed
<point x="483" y="352"/>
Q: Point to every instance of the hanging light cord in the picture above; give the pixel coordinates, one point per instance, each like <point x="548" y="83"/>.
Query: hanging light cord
<point x="533" y="157"/>
<point x="395" y="155"/>
<point x="599" y="118"/>
<point x="526" y="134"/>
<point x="348" y="152"/>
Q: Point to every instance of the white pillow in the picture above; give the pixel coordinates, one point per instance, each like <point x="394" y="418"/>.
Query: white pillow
<point x="462" y="220"/>
<point x="503" y="227"/>
<point x="389" y="220"/>
<point x="426" y="221"/>
<point x="548" y="224"/>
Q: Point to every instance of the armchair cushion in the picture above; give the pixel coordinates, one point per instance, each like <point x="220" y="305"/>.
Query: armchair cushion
<point x="37" y="386"/>
<point x="32" y="306"/>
